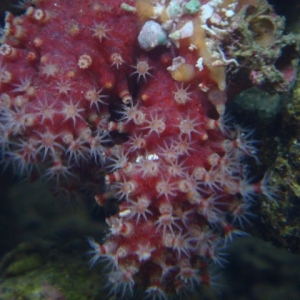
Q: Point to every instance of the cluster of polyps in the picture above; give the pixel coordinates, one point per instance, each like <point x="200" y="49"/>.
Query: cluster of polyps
<point x="181" y="187"/>
<point x="179" y="177"/>
<point x="54" y="95"/>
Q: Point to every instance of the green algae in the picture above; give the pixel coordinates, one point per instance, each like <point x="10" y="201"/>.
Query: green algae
<point x="49" y="271"/>
<point x="24" y="265"/>
<point x="280" y="220"/>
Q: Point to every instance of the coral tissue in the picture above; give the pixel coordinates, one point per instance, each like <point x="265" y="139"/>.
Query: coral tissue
<point x="136" y="91"/>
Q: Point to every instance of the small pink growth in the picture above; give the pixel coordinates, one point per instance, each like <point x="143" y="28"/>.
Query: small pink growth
<point x="155" y="291"/>
<point x="182" y="95"/>
<point x="49" y="70"/>
<point x="188" y="275"/>
<point x="47" y="144"/>
<point x="176" y="169"/>
<point x="94" y="97"/>
<point x="140" y="208"/>
<point x="120" y="227"/>
<point x="8" y="51"/>
<point x="45" y="110"/>
<point x="148" y="165"/>
<point x="122" y="280"/>
<point x="155" y="124"/>
<point x="71" y="111"/>
<point x="169" y="153"/>
<point x="118" y="161"/>
<point x="230" y="232"/>
<point x="5" y="76"/>
<point x="166" y="189"/>
<point x="132" y="113"/>
<point x="208" y="207"/>
<point x="166" y="220"/>
<point x="41" y="15"/>
<point x="63" y="86"/>
<point x="77" y="149"/>
<point x="144" y="251"/>
<point x="23" y="86"/>
<point x="136" y="142"/>
<point x="58" y="171"/>
<point x="178" y="242"/>
<point x="116" y="60"/>
<point x="188" y="126"/>
<point x="103" y="251"/>
<point x="97" y="150"/>
<point x="100" y="30"/>
<point x="184" y="146"/>
<point x="142" y="68"/>
<point x="84" y="61"/>
<point x="24" y="157"/>
<point x="125" y="189"/>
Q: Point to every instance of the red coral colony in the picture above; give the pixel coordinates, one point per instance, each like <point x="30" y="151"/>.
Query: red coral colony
<point x="137" y="90"/>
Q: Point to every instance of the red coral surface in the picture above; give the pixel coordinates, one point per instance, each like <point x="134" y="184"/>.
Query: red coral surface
<point x="77" y="91"/>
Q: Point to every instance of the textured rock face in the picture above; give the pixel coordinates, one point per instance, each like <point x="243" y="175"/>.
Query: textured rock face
<point x="135" y="91"/>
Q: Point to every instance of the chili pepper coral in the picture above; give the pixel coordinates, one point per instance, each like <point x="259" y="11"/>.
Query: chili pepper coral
<point x="136" y="90"/>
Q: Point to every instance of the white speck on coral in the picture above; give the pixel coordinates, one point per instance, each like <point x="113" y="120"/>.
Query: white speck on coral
<point x="199" y="64"/>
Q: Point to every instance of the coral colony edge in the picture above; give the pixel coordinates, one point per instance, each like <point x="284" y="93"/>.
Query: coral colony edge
<point x="131" y="95"/>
